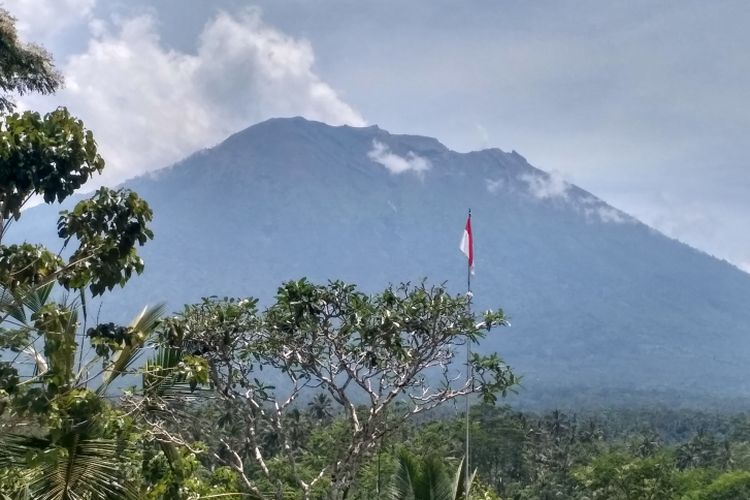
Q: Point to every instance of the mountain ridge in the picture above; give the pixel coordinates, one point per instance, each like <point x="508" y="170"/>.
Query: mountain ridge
<point x="596" y="296"/>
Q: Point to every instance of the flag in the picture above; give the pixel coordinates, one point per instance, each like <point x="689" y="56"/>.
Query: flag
<point x="467" y="244"/>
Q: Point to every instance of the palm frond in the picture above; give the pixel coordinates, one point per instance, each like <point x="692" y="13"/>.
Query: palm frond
<point x="427" y="479"/>
<point x="142" y="328"/>
<point x="403" y="485"/>
<point x="36" y="298"/>
<point x="459" y="486"/>
<point x="435" y="483"/>
<point x="15" y="303"/>
<point x="148" y="319"/>
<point x="10" y="306"/>
<point x="161" y="378"/>
<point x="86" y="469"/>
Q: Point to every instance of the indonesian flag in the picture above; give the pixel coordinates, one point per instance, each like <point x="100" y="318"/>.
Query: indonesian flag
<point x="467" y="244"/>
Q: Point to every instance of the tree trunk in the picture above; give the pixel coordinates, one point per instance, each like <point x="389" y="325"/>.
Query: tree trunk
<point x="341" y="483"/>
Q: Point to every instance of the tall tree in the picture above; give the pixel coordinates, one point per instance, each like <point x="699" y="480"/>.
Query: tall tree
<point x="72" y="452"/>
<point x="23" y="67"/>
<point x="381" y="359"/>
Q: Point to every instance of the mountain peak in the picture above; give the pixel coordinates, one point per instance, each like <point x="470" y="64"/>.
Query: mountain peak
<point x="299" y="129"/>
<point x="595" y="298"/>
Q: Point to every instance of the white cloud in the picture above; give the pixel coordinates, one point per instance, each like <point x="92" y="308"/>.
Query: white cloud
<point x="40" y="19"/>
<point x="609" y="214"/>
<point x="381" y="153"/>
<point x="595" y="209"/>
<point x="546" y="186"/>
<point x="149" y="106"/>
<point x="717" y="227"/>
<point x="553" y="186"/>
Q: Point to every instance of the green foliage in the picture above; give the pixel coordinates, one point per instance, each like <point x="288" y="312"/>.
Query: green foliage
<point x="373" y="326"/>
<point x="8" y="377"/>
<point x="401" y="474"/>
<point x="182" y="477"/>
<point x="82" y="468"/>
<point x="592" y="455"/>
<point x="108" y="227"/>
<point x="702" y="451"/>
<point x="211" y="327"/>
<point x="420" y="479"/>
<point x="79" y="446"/>
<point x="493" y="376"/>
<point x="58" y="326"/>
<point x="108" y="338"/>
<point x="620" y="477"/>
<point x="27" y="264"/>
<point x="23" y="67"/>
<point x="728" y="486"/>
<point x="51" y="156"/>
<point x="374" y="360"/>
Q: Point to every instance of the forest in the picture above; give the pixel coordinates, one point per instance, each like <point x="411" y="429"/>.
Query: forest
<point x="327" y="393"/>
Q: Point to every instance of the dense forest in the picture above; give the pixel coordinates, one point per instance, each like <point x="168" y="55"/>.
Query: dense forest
<point x="328" y="392"/>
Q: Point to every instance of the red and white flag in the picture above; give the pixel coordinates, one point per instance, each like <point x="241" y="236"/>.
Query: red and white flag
<point x="467" y="244"/>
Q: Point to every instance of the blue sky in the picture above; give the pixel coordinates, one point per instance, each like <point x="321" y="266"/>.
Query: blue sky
<point x="646" y="104"/>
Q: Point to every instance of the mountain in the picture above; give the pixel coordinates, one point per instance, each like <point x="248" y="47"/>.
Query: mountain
<point x="599" y="302"/>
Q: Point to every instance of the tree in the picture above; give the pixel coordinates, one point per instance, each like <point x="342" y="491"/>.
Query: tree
<point x="320" y="407"/>
<point x="727" y="486"/>
<point x="79" y="452"/>
<point x="703" y="451"/>
<point x="79" y="440"/>
<point x="23" y="67"/>
<point x="381" y="359"/>
<point x="618" y="476"/>
<point x="427" y="479"/>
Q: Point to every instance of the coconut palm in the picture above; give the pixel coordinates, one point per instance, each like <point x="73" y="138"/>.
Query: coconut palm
<point x="320" y="407"/>
<point x="76" y="467"/>
<point x="75" y="456"/>
<point x="427" y="479"/>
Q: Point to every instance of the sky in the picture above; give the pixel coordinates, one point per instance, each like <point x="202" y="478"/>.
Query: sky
<point x="644" y="103"/>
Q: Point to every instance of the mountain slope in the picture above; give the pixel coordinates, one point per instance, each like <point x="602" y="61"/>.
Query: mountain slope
<point x="598" y="300"/>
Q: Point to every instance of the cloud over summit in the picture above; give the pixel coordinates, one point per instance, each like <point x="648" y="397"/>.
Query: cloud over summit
<point x="150" y="105"/>
<point x="396" y="164"/>
<point x="546" y="186"/>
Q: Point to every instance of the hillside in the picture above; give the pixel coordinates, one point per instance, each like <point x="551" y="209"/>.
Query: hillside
<point x="599" y="301"/>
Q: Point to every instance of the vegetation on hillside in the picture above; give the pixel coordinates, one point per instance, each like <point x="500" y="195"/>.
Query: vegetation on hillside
<point x="326" y="393"/>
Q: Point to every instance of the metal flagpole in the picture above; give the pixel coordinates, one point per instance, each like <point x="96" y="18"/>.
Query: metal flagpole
<point x="468" y="368"/>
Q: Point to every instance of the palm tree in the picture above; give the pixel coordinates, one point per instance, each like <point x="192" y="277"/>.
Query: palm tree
<point x="427" y="479"/>
<point x="74" y="457"/>
<point x="320" y="407"/>
<point x="76" y="467"/>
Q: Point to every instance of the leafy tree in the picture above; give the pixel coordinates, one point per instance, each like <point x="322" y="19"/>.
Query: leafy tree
<point x="703" y="450"/>
<point x="79" y="451"/>
<point x="381" y="359"/>
<point x="617" y="476"/>
<point x="79" y="444"/>
<point x="23" y="67"/>
<point x="646" y="445"/>
<point x="728" y="486"/>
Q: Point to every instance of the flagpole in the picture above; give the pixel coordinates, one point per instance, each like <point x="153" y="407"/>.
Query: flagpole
<point x="468" y="375"/>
